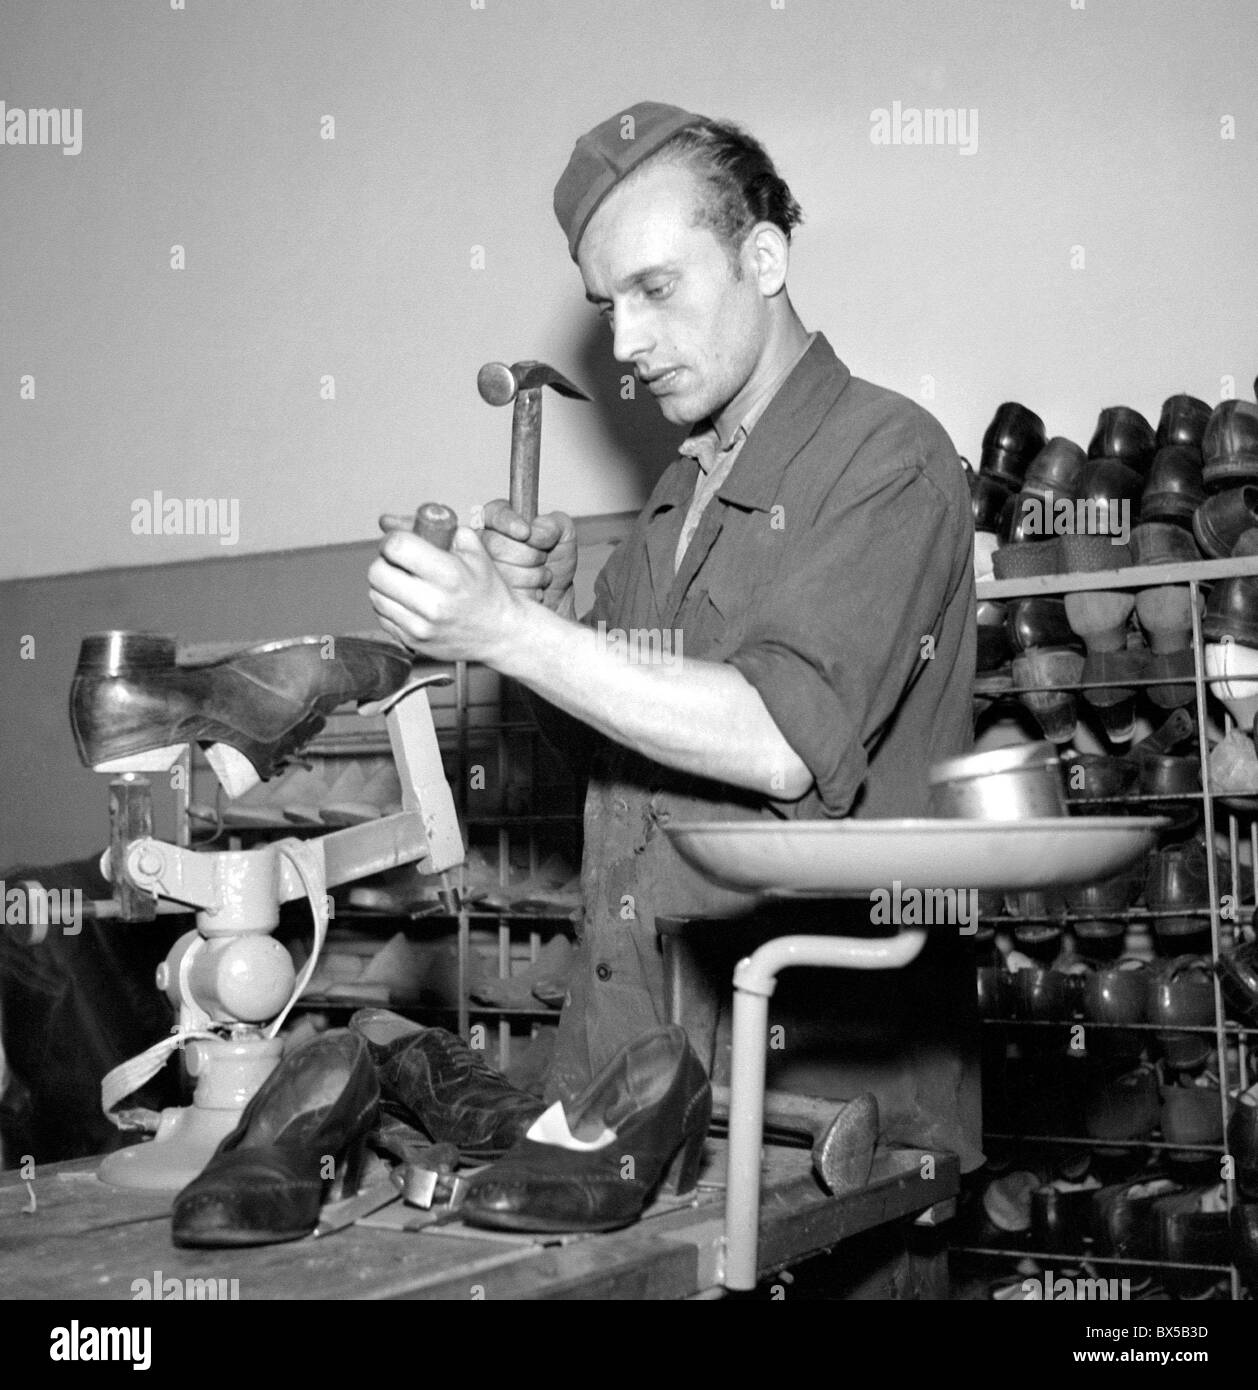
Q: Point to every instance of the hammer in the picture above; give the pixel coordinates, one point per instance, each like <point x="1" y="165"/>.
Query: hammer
<point x="844" y="1133"/>
<point x="522" y="383"/>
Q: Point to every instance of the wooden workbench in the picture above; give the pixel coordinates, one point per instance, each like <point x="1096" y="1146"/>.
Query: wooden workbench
<point x="86" y="1240"/>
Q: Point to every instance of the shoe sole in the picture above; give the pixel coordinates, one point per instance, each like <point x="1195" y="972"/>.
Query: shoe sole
<point x="510" y="1221"/>
<point x="237" y="1239"/>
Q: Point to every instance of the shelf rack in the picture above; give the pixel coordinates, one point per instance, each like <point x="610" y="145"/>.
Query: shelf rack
<point x="1223" y="932"/>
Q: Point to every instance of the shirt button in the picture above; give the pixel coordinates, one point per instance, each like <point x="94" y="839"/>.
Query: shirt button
<point x="604" y="972"/>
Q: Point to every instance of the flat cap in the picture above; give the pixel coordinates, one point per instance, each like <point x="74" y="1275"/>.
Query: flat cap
<point x="604" y="155"/>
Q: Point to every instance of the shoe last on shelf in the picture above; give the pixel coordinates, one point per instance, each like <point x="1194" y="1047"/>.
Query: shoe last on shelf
<point x="1220" y="521"/>
<point x="1174" y="488"/>
<point x="1014" y="437"/>
<point x="1183" y="422"/>
<point x="1124" y="434"/>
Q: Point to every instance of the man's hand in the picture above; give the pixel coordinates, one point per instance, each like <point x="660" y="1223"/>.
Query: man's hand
<point x="536" y="561"/>
<point x="447" y="606"/>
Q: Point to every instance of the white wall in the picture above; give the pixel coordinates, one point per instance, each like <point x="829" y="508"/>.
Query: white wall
<point x="1099" y="125"/>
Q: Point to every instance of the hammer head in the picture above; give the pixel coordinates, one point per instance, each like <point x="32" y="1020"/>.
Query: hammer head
<point x="499" y="384"/>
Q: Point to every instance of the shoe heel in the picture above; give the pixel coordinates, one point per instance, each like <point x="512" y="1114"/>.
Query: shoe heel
<point x="682" y="1176"/>
<point x="349" y="1170"/>
<point x="121" y="652"/>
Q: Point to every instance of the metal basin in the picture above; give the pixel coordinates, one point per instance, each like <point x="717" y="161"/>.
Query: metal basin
<point x="1022" y="782"/>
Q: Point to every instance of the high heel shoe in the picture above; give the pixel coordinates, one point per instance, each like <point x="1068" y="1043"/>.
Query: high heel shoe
<point x="265" y="1181"/>
<point x="638" y="1127"/>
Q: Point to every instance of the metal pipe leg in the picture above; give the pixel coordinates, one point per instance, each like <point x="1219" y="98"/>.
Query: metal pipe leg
<point x="755" y="978"/>
<point x="746" y="1133"/>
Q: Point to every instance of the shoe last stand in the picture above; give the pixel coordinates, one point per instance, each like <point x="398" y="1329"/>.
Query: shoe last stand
<point x="230" y="981"/>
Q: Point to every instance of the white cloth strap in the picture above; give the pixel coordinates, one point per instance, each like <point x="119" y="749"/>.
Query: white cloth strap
<point x="129" y="1076"/>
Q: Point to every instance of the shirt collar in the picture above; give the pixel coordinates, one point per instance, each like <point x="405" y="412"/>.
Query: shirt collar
<point x="704" y="443"/>
<point x="812" y="389"/>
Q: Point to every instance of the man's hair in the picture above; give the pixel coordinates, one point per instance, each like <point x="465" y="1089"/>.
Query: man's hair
<point x="740" y="184"/>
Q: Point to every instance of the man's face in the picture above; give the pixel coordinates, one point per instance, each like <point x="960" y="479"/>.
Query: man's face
<point x="693" y="332"/>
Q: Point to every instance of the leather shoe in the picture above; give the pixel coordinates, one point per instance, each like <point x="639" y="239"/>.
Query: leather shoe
<point x="131" y="695"/>
<point x="1177" y="883"/>
<point x="1061" y="1217"/>
<point x="1174" y="488"/>
<point x="995" y="992"/>
<point x="1040" y="622"/>
<point x="1113" y="701"/>
<point x="1116" y="995"/>
<point x="651" y="1105"/>
<point x="1010" y="442"/>
<point x="1099" y="939"/>
<point x="1099" y="784"/>
<point x="1057" y="470"/>
<point x="1124" y="434"/>
<point x="1124" y="1220"/>
<point x="265" y="1181"/>
<point x="1191" y="1115"/>
<point x="1238" y="975"/>
<point x="1163" y="543"/>
<point x="1165" y="773"/>
<point x="1053" y="709"/>
<point x="1099" y="929"/>
<point x="1183" y="421"/>
<point x="1230" y="445"/>
<point x="1175" y="673"/>
<point x="1221" y="520"/>
<point x="1232" y="610"/>
<point x="1192" y="1229"/>
<point x="1041" y="994"/>
<point x="994" y="651"/>
<point x="1115" y="483"/>
<point x="988" y="496"/>
<point x="1181" y="991"/>
<point x="445" y="1087"/>
<point x="1028" y="517"/>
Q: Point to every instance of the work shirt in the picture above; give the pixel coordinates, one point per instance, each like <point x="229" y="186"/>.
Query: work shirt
<point x="834" y="570"/>
<point x="715" y="458"/>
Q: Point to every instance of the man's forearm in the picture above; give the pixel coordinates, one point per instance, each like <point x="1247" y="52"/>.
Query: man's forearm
<point x="699" y="717"/>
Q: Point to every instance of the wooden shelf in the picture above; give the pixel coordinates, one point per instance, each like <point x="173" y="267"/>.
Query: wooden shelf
<point x="1133" y="577"/>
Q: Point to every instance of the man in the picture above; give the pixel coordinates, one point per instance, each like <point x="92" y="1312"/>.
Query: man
<point x="810" y="554"/>
<point x="73" y="1005"/>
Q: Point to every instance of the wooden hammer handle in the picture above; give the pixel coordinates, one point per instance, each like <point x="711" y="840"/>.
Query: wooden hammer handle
<point x="526" y="443"/>
<point x="436" y="524"/>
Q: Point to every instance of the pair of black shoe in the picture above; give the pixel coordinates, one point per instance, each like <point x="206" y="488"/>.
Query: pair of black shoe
<point x="638" y="1127"/>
